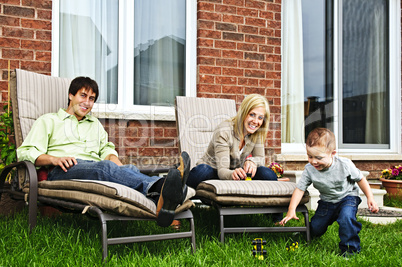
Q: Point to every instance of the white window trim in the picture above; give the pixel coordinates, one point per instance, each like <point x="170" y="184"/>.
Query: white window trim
<point x="123" y="110"/>
<point x="395" y="85"/>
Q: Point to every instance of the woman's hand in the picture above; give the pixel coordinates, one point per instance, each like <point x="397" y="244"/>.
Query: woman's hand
<point x="239" y="174"/>
<point x="250" y="167"/>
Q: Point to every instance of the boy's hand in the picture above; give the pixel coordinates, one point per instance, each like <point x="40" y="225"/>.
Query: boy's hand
<point x="290" y="215"/>
<point x="372" y="206"/>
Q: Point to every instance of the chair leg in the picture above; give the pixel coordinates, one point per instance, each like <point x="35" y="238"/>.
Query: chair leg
<point x="192" y="228"/>
<point x="307" y="223"/>
<point x="222" y="226"/>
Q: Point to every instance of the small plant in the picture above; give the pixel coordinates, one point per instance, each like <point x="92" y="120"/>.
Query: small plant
<point x="277" y="168"/>
<point x="393" y="173"/>
<point x="7" y="146"/>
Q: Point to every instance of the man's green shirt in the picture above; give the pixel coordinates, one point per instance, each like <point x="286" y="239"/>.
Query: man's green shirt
<point x="62" y="135"/>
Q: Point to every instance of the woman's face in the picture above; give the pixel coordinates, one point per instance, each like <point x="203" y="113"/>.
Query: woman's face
<point x="254" y="120"/>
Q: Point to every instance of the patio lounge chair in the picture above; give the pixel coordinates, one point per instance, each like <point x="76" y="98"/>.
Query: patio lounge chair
<point x="196" y="120"/>
<point x="35" y="94"/>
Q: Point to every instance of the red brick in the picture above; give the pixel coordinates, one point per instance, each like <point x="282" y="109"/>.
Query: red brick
<point x="209" y="52"/>
<point x="232" y="54"/>
<point x="9" y="21"/>
<point x="255" y="4"/>
<point x="269" y="15"/>
<point x="41" y="67"/>
<point x="209" y="34"/>
<point x="248" y="81"/>
<point x="247" y="12"/>
<point x="45" y="4"/>
<point x="209" y="88"/>
<point x="204" y="24"/>
<point x="254" y="73"/>
<point x="36" y="24"/>
<point x="267" y="66"/>
<point x="254" y="56"/>
<point x="44" y="35"/>
<point x="18" y="54"/>
<point x="225" y="44"/>
<point x="233" y="36"/>
<point x="233" y="2"/>
<point x="209" y="70"/>
<point x="44" y="56"/>
<point x="266" y="49"/>
<point x="226" y="27"/>
<point x="226" y="62"/>
<point x="257" y="22"/>
<point x="9" y="42"/>
<point x="233" y="19"/>
<point x="212" y="16"/>
<point x="202" y="42"/>
<point x="205" y="61"/>
<point x="36" y="45"/>
<point x="248" y="29"/>
<point x="206" y="79"/>
<point x="19" y="11"/>
<point x="249" y="64"/>
<point x="226" y="9"/>
<point x="232" y="71"/>
<point x="18" y="32"/>
<point x="44" y="14"/>
<point x="228" y="89"/>
<point x="226" y="80"/>
<point x="205" y="6"/>
<point x="170" y="132"/>
<point x="255" y="39"/>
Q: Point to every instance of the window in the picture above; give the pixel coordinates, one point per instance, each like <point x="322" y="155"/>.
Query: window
<point x="141" y="53"/>
<point x="340" y="71"/>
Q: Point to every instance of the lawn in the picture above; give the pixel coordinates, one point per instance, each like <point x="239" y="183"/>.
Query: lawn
<point x="74" y="240"/>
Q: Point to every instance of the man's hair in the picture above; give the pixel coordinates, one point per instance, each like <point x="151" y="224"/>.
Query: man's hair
<point x="83" y="82"/>
<point x="321" y="137"/>
<point x="249" y="103"/>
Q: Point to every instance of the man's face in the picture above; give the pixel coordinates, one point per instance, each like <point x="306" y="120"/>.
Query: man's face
<point x="81" y="103"/>
<point x="320" y="157"/>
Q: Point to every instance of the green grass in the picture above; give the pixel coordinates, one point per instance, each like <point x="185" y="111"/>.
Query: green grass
<point x="74" y="240"/>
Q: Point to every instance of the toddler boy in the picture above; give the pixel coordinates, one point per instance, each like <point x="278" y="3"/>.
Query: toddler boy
<point x="338" y="181"/>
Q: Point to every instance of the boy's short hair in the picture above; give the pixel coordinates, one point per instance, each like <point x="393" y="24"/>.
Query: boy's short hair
<point x="321" y="137"/>
<point x="83" y="82"/>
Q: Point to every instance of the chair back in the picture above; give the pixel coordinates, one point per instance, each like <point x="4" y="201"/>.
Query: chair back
<point x="196" y="119"/>
<point x="33" y="95"/>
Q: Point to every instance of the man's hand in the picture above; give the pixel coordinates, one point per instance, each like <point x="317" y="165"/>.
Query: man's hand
<point x="64" y="163"/>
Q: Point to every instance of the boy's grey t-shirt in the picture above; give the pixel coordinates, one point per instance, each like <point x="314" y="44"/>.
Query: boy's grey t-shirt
<point x="335" y="183"/>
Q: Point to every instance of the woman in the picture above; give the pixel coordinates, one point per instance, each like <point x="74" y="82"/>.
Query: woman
<point x="237" y="146"/>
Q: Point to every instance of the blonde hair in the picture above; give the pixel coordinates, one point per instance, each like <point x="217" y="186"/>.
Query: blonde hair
<point x="321" y="137"/>
<point x="249" y="103"/>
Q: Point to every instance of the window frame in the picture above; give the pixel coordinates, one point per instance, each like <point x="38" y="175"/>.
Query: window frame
<point x="394" y="83"/>
<point x="125" y="109"/>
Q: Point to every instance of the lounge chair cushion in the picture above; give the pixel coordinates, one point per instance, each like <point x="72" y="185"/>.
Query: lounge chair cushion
<point x="109" y="196"/>
<point x="248" y="193"/>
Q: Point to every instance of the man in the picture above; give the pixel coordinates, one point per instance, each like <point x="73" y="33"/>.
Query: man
<point x="75" y="146"/>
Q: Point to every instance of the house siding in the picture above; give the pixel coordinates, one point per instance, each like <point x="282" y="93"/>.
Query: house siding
<point x="238" y="53"/>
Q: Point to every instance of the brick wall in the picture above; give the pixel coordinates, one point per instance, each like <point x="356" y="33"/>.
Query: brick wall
<point x="25" y="38"/>
<point x="239" y="53"/>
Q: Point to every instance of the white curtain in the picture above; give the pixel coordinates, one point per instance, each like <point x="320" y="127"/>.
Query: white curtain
<point x="89" y="43"/>
<point x="292" y="73"/>
<point x="159" y="51"/>
<point x="377" y="131"/>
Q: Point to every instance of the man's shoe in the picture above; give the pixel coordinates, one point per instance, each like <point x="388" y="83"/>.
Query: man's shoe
<point x="171" y="196"/>
<point x="184" y="168"/>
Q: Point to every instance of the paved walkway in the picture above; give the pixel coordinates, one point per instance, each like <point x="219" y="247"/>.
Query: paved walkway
<point x="389" y="215"/>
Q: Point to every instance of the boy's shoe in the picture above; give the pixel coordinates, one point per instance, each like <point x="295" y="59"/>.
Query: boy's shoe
<point x="184" y="168"/>
<point x="171" y="196"/>
<point x="348" y="255"/>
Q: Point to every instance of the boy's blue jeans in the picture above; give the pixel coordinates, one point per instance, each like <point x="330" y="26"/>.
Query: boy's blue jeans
<point x="205" y="172"/>
<point x="105" y="170"/>
<point x="344" y="212"/>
